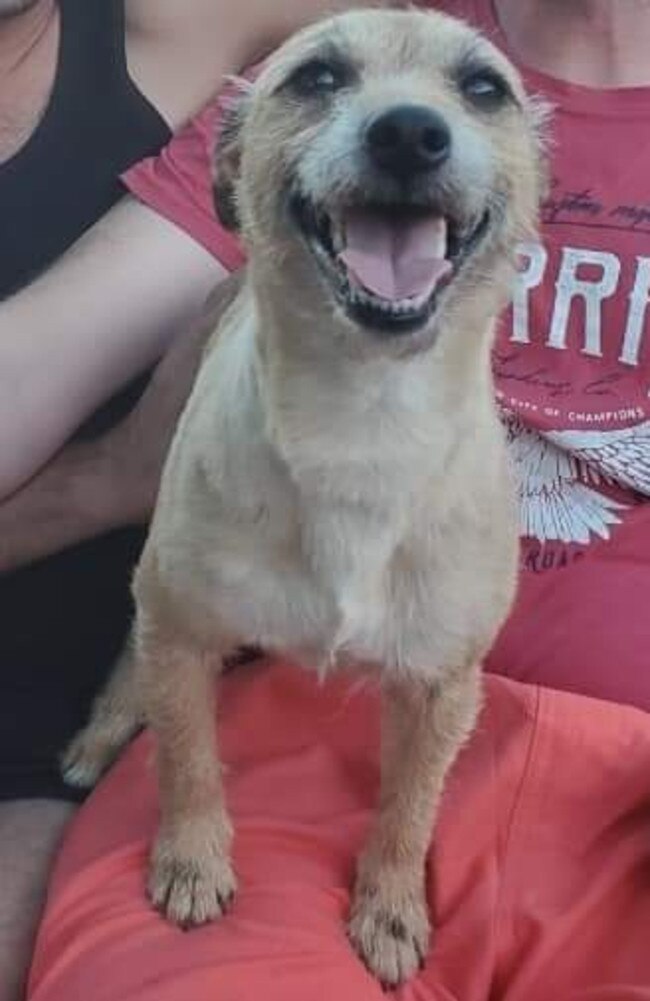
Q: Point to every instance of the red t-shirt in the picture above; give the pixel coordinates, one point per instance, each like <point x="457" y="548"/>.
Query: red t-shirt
<point x="572" y="368"/>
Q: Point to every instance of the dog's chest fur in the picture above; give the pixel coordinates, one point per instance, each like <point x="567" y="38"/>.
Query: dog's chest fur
<point x="305" y="510"/>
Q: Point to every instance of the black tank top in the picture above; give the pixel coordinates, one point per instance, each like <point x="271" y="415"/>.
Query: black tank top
<point x="95" y="126"/>
<point x="63" y="620"/>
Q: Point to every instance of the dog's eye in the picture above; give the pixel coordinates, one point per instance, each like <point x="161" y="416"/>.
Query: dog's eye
<point x="484" y="88"/>
<point x="317" y="77"/>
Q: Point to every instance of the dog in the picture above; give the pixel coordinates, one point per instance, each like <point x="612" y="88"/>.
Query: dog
<point x="338" y="487"/>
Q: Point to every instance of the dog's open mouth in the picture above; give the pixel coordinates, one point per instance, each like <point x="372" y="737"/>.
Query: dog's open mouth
<point x="387" y="263"/>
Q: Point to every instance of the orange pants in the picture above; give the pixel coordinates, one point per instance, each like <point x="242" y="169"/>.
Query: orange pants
<point x="539" y="882"/>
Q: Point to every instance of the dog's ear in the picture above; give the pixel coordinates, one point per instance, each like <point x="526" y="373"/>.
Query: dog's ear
<point x="227" y="156"/>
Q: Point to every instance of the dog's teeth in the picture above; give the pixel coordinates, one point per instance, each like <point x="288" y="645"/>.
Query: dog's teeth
<point x="360" y="297"/>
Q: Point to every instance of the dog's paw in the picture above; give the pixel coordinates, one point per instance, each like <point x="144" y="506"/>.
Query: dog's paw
<point x="390" y="933"/>
<point x="86" y="759"/>
<point x="190" y="890"/>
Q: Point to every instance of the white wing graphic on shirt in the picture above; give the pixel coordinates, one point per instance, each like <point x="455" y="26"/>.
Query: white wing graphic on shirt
<point x="558" y="502"/>
<point x="623" y="455"/>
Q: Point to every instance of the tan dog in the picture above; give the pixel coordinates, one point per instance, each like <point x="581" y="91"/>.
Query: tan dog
<point x="338" y="488"/>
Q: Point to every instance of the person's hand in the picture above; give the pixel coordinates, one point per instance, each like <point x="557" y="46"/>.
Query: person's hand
<point x="133" y="453"/>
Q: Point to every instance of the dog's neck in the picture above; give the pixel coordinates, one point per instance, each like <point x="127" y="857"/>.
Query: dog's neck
<point x="327" y="402"/>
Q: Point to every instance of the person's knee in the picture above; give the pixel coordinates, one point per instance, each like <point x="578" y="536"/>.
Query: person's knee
<point x="30" y="832"/>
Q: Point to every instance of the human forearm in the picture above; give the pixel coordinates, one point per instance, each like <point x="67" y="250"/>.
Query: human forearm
<point x="101" y="315"/>
<point x="92" y="487"/>
<point x="67" y="503"/>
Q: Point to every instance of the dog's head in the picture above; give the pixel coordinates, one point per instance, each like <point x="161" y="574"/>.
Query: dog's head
<point x="388" y="162"/>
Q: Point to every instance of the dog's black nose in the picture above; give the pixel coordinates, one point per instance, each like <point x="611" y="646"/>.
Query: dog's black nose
<point x="408" y="139"/>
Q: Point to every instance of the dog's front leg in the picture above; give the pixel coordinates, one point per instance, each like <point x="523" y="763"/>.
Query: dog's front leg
<point x="115" y="718"/>
<point x="423" y="728"/>
<point x="190" y="877"/>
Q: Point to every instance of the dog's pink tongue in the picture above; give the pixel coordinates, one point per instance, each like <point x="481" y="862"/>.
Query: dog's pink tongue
<point x="393" y="258"/>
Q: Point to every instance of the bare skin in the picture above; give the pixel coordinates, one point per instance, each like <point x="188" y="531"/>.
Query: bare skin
<point x="596" y="43"/>
<point x="30" y="832"/>
<point x="28" y="47"/>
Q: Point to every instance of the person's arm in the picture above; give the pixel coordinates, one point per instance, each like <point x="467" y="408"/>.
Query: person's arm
<point x="93" y="487"/>
<point x="102" y="314"/>
<point x="108" y="308"/>
<point x="179" y="51"/>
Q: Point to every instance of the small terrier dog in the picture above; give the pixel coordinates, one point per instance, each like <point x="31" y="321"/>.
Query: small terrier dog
<point x="338" y="488"/>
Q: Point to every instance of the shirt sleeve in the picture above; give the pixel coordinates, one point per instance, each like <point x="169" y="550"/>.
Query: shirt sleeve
<point x="177" y="184"/>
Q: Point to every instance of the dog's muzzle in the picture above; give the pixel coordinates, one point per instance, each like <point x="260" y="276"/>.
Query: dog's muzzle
<point x="388" y="257"/>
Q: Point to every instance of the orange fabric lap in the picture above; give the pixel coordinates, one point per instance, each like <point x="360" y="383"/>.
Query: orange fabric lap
<point x="539" y="880"/>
